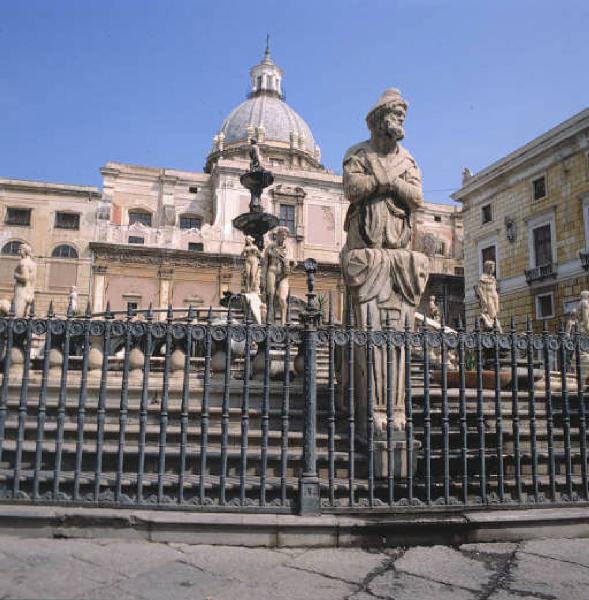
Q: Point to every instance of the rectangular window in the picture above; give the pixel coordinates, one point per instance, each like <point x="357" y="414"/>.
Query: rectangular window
<point x="141" y="217"/>
<point x="65" y="220"/>
<point x="189" y="222"/>
<point x="486" y="214"/>
<point x="539" y="187"/>
<point x="18" y="216"/>
<point x="440" y="248"/>
<point x="132" y="307"/>
<point x="287" y="217"/>
<point x="195" y="246"/>
<point x="488" y="253"/>
<point x="542" y="245"/>
<point x="135" y="239"/>
<point x="437" y="218"/>
<point x="545" y="306"/>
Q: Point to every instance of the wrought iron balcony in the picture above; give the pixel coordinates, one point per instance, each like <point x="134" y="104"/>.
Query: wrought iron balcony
<point x="584" y="256"/>
<point x="541" y="272"/>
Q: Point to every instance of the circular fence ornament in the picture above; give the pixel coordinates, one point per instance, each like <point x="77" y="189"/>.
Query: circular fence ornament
<point x="57" y="327"/>
<point x="398" y="339"/>
<point x="238" y="333"/>
<point x="340" y="337"/>
<point x="469" y="340"/>
<point x="218" y="332"/>
<point x="521" y="341"/>
<point x="178" y="331"/>
<point x="537" y="342"/>
<point x="584" y="344"/>
<point x="433" y="339"/>
<point x="488" y="340"/>
<point x="77" y="328"/>
<point x="19" y="326"/>
<point x="118" y="328"/>
<point x="451" y="340"/>
<point x="97" y="328"/>
<point x="39" y="327"/>
<point x="504" y="342"/>
<point x="296" y="336"/>
<point x="360" y="338"/>
<point x="322" y="337"/>
<point x="379" y="338"/>
<point x="137" y="329"/>
<point x="258" y="333"/>
<point x="198" y="332"/>
<point x="567" y="344"/>
<point x="553" y="343"/>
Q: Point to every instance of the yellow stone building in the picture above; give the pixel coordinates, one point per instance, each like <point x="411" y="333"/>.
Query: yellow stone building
<point x="529" y="212"/>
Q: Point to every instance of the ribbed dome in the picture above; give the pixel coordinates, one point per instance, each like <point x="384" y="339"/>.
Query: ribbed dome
<point x="271" y="113"/>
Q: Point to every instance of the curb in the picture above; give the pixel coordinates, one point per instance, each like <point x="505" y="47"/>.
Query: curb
<point x="282" y="530"/>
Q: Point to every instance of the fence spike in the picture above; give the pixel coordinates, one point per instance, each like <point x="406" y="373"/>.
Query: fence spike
<point x="88" y="312"/>
<point x="50" y="311"/>
<point x="32" y="309"/>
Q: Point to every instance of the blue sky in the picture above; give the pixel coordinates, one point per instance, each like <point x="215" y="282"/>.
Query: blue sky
<point x="149" y="82"/>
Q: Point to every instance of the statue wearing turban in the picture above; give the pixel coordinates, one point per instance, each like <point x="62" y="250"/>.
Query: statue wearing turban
<point x="384" y="276"/>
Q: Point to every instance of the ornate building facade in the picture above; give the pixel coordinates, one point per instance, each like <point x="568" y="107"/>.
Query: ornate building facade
<point x="529" y="213"/>
<point x="161" y="236"/>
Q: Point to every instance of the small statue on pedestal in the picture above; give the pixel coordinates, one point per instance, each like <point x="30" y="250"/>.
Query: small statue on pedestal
<point x="251" y="274"/>
<point x="488" y="296"/>
<point x="276" y="271"/>
<point x="255" y="157"/>
<point x="25" y="277"/>
<point x="73" y="299"/>
<point x="434" y="311"/>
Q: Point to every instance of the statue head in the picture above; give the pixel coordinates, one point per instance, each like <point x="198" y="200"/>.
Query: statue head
<point x="281" y="234"/>
<point x="432" y="299"/>
<point x="385" y="119"/>
<point x="24" y="250"/>
<point x="489" y="267"/>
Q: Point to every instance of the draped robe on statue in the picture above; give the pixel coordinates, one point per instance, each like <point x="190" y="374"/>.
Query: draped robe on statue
<point x="383" y="275"/>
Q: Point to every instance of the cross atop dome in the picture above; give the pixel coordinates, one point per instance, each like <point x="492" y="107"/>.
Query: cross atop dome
<point x="266" y="77"/>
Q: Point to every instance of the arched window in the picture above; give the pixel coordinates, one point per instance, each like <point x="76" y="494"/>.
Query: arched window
<point x="12" y="248"/>
<point x="64" y="251"/>
<point x="190" y="222"/>
<point x="140" y="216"/>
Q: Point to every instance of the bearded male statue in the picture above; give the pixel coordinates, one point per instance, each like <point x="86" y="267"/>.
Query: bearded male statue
<point x="384" y="276"/>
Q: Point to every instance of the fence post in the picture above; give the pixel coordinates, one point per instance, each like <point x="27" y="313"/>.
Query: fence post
<point x="309" y="498"/>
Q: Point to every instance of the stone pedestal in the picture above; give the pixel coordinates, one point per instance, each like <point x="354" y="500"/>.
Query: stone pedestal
<point x="400" y="467"/>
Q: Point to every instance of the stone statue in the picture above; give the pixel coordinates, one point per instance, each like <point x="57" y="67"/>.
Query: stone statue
<point x="255" y="158"/>
<point x="580" y="317"/>
<point x="73" y="299"/>
<point x="434" y="311"/>
<point x="25" y="277"/>
<point x="251" y="273"/>
<point x="486" y="292"/>
<point x="383" y="276"/>
<point x="276" y="271"/>
<point x="583" y="313"/>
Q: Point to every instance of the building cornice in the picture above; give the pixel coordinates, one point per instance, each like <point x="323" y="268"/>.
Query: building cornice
<point x="149" y="255"/>
<point x="45" y="187"/>
<point x="547" y="141"/>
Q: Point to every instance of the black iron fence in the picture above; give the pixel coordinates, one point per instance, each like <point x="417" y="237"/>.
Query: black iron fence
<point x="230" y="414"/>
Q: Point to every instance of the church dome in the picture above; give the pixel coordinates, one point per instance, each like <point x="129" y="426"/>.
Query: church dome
<point x="272" y="115"/>
<point x="280" y="131"/>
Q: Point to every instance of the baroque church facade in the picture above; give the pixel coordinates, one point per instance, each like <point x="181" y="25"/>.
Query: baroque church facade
<point x="165" y="236"/>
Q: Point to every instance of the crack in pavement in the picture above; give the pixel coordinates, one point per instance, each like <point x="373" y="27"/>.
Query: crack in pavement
<point x="563" y="560"/>
<point x="387" y="565"/>
<point x="326" y="575"/>
<point x="500" y="565"/>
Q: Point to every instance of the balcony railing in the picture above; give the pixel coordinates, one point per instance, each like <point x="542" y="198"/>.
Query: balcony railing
<point x="541" y="272"/>
<point x="584" y="256"/>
